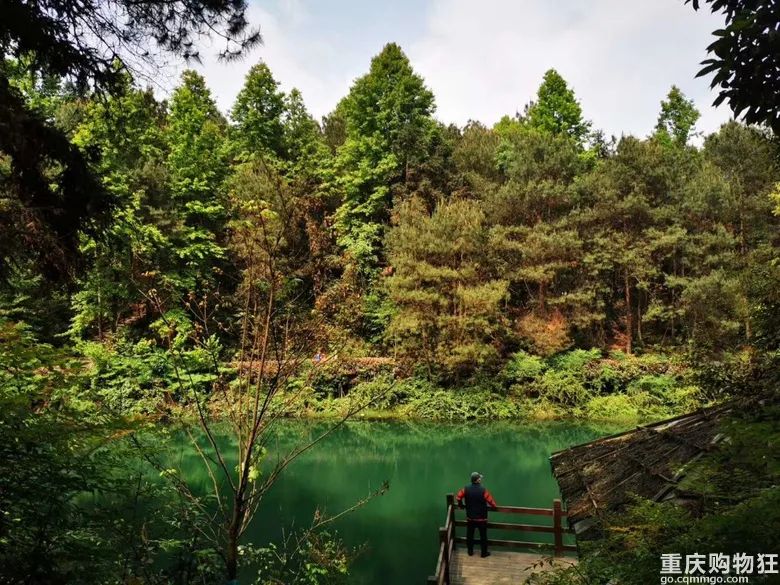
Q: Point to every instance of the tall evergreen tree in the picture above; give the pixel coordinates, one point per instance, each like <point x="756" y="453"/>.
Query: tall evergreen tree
<point x="677" y="118"/>
<point x="134" y="250"/>
<point x="258" y="113"/>
<point x="447" y="298"/>
<point x="388" y="123"/>
<point x="197" y="167"/>
<point x="556" y="110"/>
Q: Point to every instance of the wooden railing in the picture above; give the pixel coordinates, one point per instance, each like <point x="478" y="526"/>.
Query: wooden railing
<point x="448" y="538"/>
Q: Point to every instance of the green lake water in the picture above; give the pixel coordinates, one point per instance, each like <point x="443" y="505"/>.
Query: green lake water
<point x="422" y="462"/>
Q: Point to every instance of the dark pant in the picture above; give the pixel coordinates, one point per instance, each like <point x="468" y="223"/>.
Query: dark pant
<point x="482" y="527"/>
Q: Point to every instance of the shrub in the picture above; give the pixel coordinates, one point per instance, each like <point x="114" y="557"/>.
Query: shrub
<point x="575" y="361"/>
<point x="129" y="377"/>
<point x="522" y="368"/>
<point x="656" y="385"/>
<point x="563" y="387"/>
<point x="613" y="407"/>
<point x="462" y="405"/>
<point x="546" y="336"/>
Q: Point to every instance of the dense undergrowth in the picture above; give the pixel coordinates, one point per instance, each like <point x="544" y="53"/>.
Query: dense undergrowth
<point x="580" y="383"/>
<point x="77" y="490"/>
<point x="142" y="379"/>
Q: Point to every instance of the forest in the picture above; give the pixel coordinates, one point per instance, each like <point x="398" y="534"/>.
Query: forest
<point x="516" y="253"/>
<point x="164" y="261"/>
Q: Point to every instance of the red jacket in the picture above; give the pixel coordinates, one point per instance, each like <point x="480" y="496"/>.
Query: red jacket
<point x="489" y="501"/>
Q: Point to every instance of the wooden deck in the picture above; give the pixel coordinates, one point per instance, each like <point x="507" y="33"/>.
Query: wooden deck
<point x="455" y="567"/>
<point x="501" y="567"/>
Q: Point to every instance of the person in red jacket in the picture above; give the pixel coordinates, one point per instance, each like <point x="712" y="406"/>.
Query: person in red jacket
<point x="477" y="502"/>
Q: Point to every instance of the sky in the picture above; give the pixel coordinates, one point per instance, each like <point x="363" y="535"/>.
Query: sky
<point x="486" y="59"/>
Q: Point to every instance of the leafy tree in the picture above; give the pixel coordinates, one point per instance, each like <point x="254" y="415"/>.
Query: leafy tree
<point x="388" y="124"/>
<point x="748" y="161"/>
<point x="258" y="112"/>
<point x="89" y="44"/>
<point x="197" y="167"/>
<point x="677" y="118"/>
<point x="745" y="59"/>
<point x="556" y="110"/>
<point x="127" y="131"/>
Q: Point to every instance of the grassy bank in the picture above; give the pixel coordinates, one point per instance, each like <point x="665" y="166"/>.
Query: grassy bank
<point x="578" y="384"/>
<point x="586" y="384"/>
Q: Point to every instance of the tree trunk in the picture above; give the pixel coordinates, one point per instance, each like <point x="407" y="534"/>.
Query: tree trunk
<point x="231" y="546"/>
<point x="639" y="320"/>
<point x="231" y="557"/>
<point x="629" y="317"/>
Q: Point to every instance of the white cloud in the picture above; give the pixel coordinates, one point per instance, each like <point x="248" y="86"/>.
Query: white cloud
<point x="483" y="60"/>
<point x="296" y="59"/>
<point x="486" y="60"/>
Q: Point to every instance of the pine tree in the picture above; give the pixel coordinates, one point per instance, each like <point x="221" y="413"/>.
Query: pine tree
<point x="448" y="302"/>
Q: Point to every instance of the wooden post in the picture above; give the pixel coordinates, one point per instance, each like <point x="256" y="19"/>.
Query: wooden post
<point x="557" y="513"/>
<point x="451" y="512"/>
<point x="445" y="559"/>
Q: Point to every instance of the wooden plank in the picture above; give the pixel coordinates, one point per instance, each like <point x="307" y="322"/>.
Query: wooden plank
<point x="511" y="526"/>
<point x="521" y="527"/>
<point x="557" y="526"/>
<point x="517" y="544"/>
<point x="529" y="511"/>
<point x="445" y="548"/>
<point x="439" y="563"/>
<point x="502" y="567"/>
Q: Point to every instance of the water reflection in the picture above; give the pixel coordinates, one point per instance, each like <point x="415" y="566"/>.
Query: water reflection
<point x="423" y="462"/>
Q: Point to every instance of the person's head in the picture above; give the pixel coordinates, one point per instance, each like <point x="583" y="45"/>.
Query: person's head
<point x="476" y="477"/>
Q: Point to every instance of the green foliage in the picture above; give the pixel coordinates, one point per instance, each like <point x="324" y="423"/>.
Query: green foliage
<point x="620" y="387"/>
<point x="677" y="118"/>
<point x="462" y="405"/>
<point x="449" y="307"/>
<point x="257" y="113"/>
<point x="55" y="465"/>
<point x="511" y="272"/>
<point x="744" y="61"/>
<point x="556" y="110"/>
<point x="522" y="368"/>
<point x="735" y="487"/>
<point x="612" y="407"/>
<point x="127" y="131"/>
<point x="197" y="167"/>
<point x="310" y="559"/>
<point x="26" y="296"/>
<point x="388" y="121"/>
<point x="575" y="361"/>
